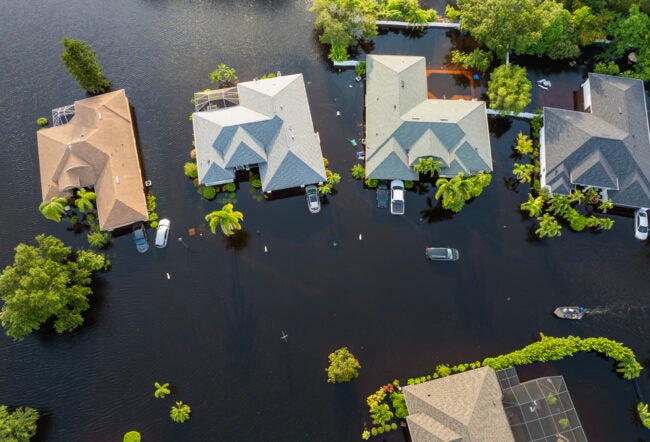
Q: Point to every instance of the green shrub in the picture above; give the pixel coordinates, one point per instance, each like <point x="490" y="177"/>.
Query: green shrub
<point x="380" y="430"/>
<point x="98" y="239"/>
<point x="360" y="69"/>
<point x="408" y="184"/>
<point x="373" y="431"/>
<point x="208" y="192"/>
<point x="151" y="203"/>
<point x="42" y="122"/>
<point x="326" y="162"/>
<point x="393" y="426"/>
<point x="386" y="427"/>
<point x="372" y="183"/>
<point x="551" y="399"/>
<point x="535" y="126"/>
<point x="338" y="53"/>
<point x="190" y="169"/>
<point x="132" y="436"/>
<point x="358" y="172"/>
<point x="229" y="187"/>
<point x="256" y="183"/>
<point x="343" y="366"/>
<point x="564" y="422"/>
<point x="153" y="224"/>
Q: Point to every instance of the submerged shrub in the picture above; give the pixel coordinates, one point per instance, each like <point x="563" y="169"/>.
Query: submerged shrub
<point x="190" y="170"/>
<point x="208" y="192"/>
<point x="42" y="122"/>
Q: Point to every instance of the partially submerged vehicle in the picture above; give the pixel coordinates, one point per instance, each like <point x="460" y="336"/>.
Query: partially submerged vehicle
<point x="162" y="233"/>
<point x="140" y="238"/>
<point x="397" y="197"/>
<point x="382" y="195"/>
<point x="313" y="199"/>
<point x="442" y="254"/>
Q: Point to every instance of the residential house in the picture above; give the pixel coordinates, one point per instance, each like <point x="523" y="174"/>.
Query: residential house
<point x="96" y="148"/>
<point x="606" y="147"/>
<point x="271" y="129"/>
<point x="404" y="125"/>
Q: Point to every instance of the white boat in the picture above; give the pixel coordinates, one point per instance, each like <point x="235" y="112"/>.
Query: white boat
<point x="569" y="312"/>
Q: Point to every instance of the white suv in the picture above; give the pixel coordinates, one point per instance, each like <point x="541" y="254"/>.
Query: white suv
<point x="397" y="197"/>
<point x="641" y="224"/>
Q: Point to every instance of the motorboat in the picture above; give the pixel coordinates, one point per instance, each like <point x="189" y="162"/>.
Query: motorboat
<point x="569" y="312"/>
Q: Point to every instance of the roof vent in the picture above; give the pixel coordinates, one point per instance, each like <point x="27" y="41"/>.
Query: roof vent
<point x="444" y="119"/>
<point x="278" y="74"/>
<point x="415" y="118"/>
<point x="117" y="179"/>
<point x="99" y="115"/>
<point x="620" y="111"/>
<point x="402" y="84"/>
<point x="281" y="107"/>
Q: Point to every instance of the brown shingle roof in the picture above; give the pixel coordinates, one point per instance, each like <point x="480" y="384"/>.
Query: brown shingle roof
<point x="466" y="404"/>
<point x="96" y="148"/>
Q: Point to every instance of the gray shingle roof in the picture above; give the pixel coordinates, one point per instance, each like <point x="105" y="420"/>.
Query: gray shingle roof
<point x="403" y="125"/>
<point x="607" y="148"/>
<point x="271" y="127"/>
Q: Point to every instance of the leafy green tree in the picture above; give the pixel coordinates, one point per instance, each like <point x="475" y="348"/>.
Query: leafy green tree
<point x="559" y="39"/>
<point x="46" y="282"/>
<point x="54" y="208"/>
<point x="132" y="436"/>
<point x="161" y="390"/>
<point x="18" y="426"/>
<point x="577" y="221"/>
<point x="85" y="200"/>
<point x="343" y="366"/>
<point x="509" y="89"/>
<point x="454" y="192"/>
<point x="98" y="239"/>
<point x="505" y="25"/>
<point x="630" y="34"/>
<point x="180" y="412"/>
<point x="548" y="226"/>
<point x="81" y="62"/>
<point x="479" y="182"/>
<point x="358" y="172"/>
<point x="534" y="206"/>
<point x="380" y="413"/>
<point x="224" y="75"/>
<point x="577" y="197"/>
<point x="338" y="53"/>
<point x="325" y="189"/>
<point x="477" y="59"/>
<point x="588" y="27"/>
<point x="606" y="205"/>
<point x="427" y="166"/>
<point x="333" y="178"/>
<point x="343" y="23"/>
<point x="226" y="218"/>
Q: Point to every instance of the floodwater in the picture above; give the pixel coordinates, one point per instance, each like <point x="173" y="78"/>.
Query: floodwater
<point x="213" y="328"/>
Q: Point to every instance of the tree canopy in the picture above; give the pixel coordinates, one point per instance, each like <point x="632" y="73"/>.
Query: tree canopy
<point x="47" y="281"/>
<point x="343" y="366"/>
<point x="226" y="218"/>
<point x="509" y="89"/>
<point x="81" y="62"/>
<point x="343" y="23"/>
<point x="18" y="426"/>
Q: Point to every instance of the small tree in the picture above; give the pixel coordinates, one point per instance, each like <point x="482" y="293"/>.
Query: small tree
<point x="509" y="89"/>
<point x="85" y="200"/>
<point x="161" y="390"/>
<point x="524" y="144"/>
<point x="223" y="75"/>
<point x="548" y="226"/>
<point x="644" y="415"/>
<point x="343" y="366"/>
<point x="358" y="172"/>
<point x="18" y="426"/>
<point x="343" y="23"/>
<point x="180" y="412"/>
<point x="190" y="170"/>
<point x="81" y="62"/>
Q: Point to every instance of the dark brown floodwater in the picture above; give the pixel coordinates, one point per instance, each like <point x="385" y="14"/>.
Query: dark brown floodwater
<point x="213" y="329"/>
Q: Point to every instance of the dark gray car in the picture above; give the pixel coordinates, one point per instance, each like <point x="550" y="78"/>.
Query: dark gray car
<point x="442" y="254"/>
<point x="140" y="238"/>
<point x="382" y="195"/>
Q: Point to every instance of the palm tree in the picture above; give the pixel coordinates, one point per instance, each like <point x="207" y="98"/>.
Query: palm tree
<point x="226" y="218"/>
<point x="479" y="182"/>
<point x="325" y="189"/>
<point x="84" y="200"/>
<point x="559" y="204"/>
<point x="427" y="165"/>
<point x="606" y="205"/>
<point x="534" y="206"/>
<point x="161" y="390"/>
<point x="454" y="192"/>
<point x="523" y="172"/>
<point x="548" y="226"/>
<point x="180" y="412"/>
<point x="54" y="208"/>
<point x="524" y="144"/>
<point x="577" y="197"/>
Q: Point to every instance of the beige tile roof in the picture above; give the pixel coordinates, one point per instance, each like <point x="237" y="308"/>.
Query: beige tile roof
<point x="466" y="404"/>
<point x="96" y="148"/>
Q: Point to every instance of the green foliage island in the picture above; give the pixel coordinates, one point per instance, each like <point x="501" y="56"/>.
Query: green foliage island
<point x="47" y="281"/>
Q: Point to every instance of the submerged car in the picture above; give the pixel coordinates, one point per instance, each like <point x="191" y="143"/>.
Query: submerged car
<point x="382" y="195"/>
<point x="162" y="233"/>
<point x="397" y="197"/>
<point x="140" y="238"/>
<point x="641" y="224"/>
<point x="442" y="254"/>
<point x="313" y="199"/>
